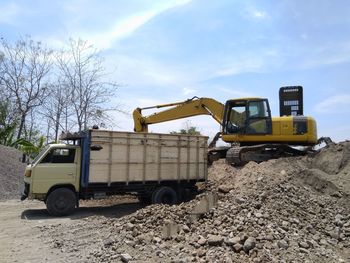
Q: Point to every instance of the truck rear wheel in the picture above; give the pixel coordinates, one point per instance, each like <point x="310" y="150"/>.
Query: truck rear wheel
<point x="164" y="195"/>
<point x="61" y="202"/>
<point x="188" y="193"/>
<point x="145" y="199"/>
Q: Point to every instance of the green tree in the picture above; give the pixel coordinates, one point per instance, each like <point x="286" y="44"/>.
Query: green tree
<point x="8" y="124"/>
<point x="8" y="127"/>
<point x="31" y="149"/>
<point x="189" y="130"/>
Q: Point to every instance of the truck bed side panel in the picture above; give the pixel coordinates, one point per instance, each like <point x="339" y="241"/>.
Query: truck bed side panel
<point x="141" y="157"/>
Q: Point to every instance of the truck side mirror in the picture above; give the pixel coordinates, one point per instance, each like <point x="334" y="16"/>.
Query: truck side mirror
<point x="24" y="158"/>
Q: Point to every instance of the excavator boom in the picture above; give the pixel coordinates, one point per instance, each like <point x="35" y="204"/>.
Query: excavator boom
<point x="192" y="107"/>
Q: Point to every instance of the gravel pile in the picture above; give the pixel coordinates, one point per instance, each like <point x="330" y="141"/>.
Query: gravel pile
<point x="11" y="173"/>
<point x="285" y="210"/>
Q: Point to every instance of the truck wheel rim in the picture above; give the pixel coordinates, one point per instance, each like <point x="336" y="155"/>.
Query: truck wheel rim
<point x="60" y="203"/>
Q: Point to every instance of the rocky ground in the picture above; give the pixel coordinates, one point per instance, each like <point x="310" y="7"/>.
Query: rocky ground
<point x="285" y="210"/>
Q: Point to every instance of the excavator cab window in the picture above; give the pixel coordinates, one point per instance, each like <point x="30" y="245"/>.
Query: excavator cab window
<point x="235" y="117"/>
<point x="259" y="117"/>
<point x="247" y="117"/>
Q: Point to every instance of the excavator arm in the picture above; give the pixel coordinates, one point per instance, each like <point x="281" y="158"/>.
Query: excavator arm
<point x="178" y="110"/>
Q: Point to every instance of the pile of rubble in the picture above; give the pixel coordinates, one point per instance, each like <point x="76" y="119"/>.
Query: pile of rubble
<point x="11" y="172"/>
<point x="285" y="210"/>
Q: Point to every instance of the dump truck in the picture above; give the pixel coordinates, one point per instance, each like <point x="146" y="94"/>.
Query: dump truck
<point x="160" y="168"/>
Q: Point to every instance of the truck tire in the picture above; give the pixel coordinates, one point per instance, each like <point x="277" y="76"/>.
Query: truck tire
<point x="188" y="193"/>
<point x="164" y="195"/>
<point x="145" y="199"/>
<point x="61" y="202"/>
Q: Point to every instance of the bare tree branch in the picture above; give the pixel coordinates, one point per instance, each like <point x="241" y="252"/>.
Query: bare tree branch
<point x="25" y="69"/>
<point x="82" y="69"/>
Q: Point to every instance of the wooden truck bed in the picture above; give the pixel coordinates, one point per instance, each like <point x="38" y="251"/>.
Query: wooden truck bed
<point x="141" y="157"/>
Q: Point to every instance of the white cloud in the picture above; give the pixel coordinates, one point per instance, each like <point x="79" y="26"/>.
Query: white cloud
<point x="252" y="12"/>
<point x="54" y="42"/>
<point x="188" y="91"/>
<point x="126" y="26"/>
<point x="235" y="93"/>
<point x="9" y="11"/>
<point x="258" y="14"/>
<point x="327" y="54"/>
<point x="259" y="60"/>
<point x="142" y="71"/>
<point x="244" y="64"/>
<point x="335" y="104"/>
<point x="121" y="29"/>
<point x="137" y="72"/>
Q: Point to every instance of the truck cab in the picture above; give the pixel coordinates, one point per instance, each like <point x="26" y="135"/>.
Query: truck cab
<point x="57" y="166"/>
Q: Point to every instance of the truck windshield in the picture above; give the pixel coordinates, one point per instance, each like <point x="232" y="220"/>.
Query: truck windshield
<point x="40" y="154"/>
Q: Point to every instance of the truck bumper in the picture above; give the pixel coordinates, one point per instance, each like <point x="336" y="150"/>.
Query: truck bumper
<point x="25" y="191"/>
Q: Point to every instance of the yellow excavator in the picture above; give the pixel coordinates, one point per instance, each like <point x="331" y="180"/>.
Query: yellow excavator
<point x="246" y="124"/>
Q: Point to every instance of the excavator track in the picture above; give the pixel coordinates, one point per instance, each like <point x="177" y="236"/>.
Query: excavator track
<point x="217" y="153"/>
<point x="233" y="156"/>
<point x="240" y="155"/>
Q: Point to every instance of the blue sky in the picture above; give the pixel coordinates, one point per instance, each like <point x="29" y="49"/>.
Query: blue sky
<point x="165" y="51"/>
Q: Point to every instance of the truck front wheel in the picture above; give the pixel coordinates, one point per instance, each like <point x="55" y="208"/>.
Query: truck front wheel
<point x="164" y="195"/>
<point x="61" y="202"/>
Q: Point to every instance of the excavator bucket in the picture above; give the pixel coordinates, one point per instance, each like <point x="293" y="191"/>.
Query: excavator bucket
<point x="291" y="101"/>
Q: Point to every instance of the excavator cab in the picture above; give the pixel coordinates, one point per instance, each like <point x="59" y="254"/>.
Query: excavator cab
<point x="247" y="116"/>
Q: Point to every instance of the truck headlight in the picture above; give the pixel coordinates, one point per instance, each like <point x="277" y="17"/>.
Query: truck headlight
<point x="28" y="173"/>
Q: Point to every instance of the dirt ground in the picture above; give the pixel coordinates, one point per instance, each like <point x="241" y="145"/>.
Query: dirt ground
<point x="22" y="224"/>
<point x="19" y="236"/>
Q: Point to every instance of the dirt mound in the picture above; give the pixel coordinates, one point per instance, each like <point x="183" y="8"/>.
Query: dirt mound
<point x="11" y="172"/>
<point x="320" y="181"/>
<point x="290" y="209"/>
<point x="333" y="159"/>
<point x="333" y="165"/>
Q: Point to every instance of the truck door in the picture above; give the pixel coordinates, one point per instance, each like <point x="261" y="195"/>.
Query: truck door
<point x="59" y="166"/>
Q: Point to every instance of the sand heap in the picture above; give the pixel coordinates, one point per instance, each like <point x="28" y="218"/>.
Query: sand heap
<point x="11" y="173"/>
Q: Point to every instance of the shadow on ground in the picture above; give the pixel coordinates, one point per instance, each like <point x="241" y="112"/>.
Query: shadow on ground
<point x="112" y="211"/>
